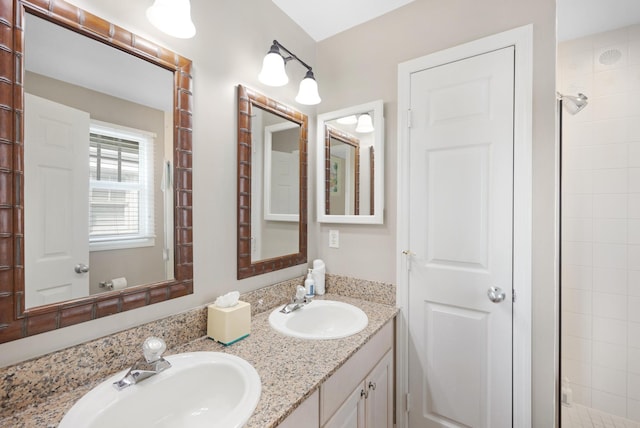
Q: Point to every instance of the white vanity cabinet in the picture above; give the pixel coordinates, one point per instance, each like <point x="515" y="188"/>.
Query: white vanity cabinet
<point x="306" y="415"/>
<point x="360" y="393"/>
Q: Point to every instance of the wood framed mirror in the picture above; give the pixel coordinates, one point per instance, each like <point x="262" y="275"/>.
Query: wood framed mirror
<point x="342" y="173"/>
<point x="17" y="320"/>
<point x="350" y="189"/>
<point x="268" y="242"/>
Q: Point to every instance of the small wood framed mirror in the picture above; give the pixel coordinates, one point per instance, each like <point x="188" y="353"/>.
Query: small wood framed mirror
<point x="272" y="148"/>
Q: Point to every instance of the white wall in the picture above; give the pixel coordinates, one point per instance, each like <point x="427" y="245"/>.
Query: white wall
<point x="601" y="223"/>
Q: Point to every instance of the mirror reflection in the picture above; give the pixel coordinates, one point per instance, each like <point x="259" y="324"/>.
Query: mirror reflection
<point x="350" y="165"/>
<point x="98" y="159"/>
<point x="344" y="174"/>
<point x="272" y="184"/>
<point x="276" y="205"/>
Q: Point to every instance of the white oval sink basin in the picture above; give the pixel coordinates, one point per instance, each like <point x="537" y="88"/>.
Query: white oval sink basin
<point x="200" y="389"/>
<point x="320" y="319"/>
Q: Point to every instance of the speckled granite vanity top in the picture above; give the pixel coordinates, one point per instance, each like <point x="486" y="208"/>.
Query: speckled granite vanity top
<point x="290" y="369"/>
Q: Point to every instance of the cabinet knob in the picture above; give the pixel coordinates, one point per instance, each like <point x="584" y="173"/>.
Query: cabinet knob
<point x="372" y="385"/>
<point x="364" y="394"/>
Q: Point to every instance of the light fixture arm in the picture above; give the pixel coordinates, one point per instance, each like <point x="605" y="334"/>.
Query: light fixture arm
<point x="291" y="56"/>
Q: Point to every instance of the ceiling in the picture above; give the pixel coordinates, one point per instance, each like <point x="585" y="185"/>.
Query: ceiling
<point x="576" y="18"/>
<point x="324" y="18"/>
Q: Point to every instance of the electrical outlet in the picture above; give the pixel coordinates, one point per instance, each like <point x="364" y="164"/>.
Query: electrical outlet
<point x="334" y="239"/>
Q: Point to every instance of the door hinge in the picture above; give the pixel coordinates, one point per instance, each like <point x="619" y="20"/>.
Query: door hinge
<point x="409" y="118"/>
<point x="407" y="398"/>
<point x="513" y="295"/>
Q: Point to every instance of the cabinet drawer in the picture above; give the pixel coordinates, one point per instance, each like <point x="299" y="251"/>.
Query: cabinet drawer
<point x="338" y="387"/>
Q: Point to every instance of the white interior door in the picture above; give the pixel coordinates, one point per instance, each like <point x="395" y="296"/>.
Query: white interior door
<point x="56" y="194"/>
<point x="460" y="228"/>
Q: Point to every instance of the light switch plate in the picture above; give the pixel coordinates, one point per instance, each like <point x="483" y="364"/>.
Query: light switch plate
<point x="334" y="239"/>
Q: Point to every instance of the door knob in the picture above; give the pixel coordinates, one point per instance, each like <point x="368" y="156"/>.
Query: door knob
<point x="81" y="268"/>
<point x="496" y="295"/>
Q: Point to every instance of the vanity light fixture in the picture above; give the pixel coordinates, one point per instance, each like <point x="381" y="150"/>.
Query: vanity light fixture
<point x="348" y="120"/>
<point x="172" y="17"/>
<point x="273" y="73"/>
<point x="365" y="124"/>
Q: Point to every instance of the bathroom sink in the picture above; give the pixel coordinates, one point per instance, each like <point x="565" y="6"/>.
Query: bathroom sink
<point x="200" y="389"/>
<point x="320" y="319"/>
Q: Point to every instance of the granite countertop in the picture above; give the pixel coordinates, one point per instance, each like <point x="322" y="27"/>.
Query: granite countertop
<point x="290" y="369"/>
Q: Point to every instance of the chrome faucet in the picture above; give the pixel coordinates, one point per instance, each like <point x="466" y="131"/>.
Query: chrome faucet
<point x="150" y="365"/>
<point x="298" y="301"/>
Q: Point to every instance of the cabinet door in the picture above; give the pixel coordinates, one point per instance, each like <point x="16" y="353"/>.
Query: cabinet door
<point x="379" y="402"/>
<point x="352" y="412"/>
<point x="306" y="415"/>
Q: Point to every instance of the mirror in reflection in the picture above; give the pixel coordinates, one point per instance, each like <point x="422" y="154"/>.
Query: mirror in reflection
<point x="350" y="165"/>
<point x="98" y="157"/>
<point x="272" y="181"/>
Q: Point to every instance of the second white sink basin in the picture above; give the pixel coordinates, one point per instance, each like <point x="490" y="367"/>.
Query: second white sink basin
<point x="200" y="389"/>
<point x="320" y="319"/>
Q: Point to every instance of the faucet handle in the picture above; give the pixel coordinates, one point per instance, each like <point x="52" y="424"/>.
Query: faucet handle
<point x="152" y="348"/>
<point x="300" y="292"/>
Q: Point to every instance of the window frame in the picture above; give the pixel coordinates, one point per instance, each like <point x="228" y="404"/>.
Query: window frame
<point x="146" y="215"/>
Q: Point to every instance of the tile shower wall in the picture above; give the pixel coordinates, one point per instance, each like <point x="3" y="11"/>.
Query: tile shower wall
<point x="601" y="221"/>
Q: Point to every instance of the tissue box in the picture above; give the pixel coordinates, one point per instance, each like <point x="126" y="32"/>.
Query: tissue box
<point x="228" y="325"/>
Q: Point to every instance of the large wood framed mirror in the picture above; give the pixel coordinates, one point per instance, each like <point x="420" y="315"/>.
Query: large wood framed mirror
<point x="350" y="165"/>
<point x="131" y="233"/>
<point x="272" y="185"/>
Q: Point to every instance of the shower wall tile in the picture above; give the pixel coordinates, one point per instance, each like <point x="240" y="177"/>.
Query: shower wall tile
<point x="634" y="334"/>
<point x="633" y="235"/>
<point x="609" y="355"/>
<point x="601" y="221"/>
<point x="578" y="325"/>
<point x="633" y="358"/>
<point x="578" y="181"/>
<point x="609" y="403"/>
<point x="577" y="301"/>
<point x="634" y="387"/>
<point x="633" y="201"/>
<point x="607" y="280"/>
<point x="609" y="255"/>
<point x="578" y="229"/>
<point x="577" y="372"/>
<point x="610" y="206"/>
<point x="634" y="308"/>
<point x="633" y="284"/>
<point x="607" y="305"/>
<point x="611" y="231"/>
<point x="610" y="156"/>
<point x="610" y="331"/>
<point x="580" y="205"/>
<point x="580" y="277"/>
<point x="610" y="180"/>
<point x="575" y="348"/>
<point x="609" y="380"/>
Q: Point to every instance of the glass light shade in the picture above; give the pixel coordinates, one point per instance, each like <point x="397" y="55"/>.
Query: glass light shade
<point x="273" y="72"/>
<point x="365" y="124"/>
<point x="172" y="17"/>
<point x="308" y="92"/>
<point x="348" y="120"/>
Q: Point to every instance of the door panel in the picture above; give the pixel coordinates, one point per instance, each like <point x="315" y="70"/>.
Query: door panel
<point x="56" y="200"/>
<point x="460" y="224"/>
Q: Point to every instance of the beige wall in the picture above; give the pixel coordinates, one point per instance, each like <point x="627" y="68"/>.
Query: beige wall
<point x="356" y="66"/>
<point x="360" y="65"/>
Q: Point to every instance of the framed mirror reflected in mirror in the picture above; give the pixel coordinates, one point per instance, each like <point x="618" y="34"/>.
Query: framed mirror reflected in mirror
<point x="350" y="165"/>
<point x="272" y="185"/>
<point x="98" y="218"/>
